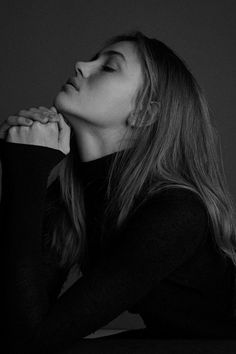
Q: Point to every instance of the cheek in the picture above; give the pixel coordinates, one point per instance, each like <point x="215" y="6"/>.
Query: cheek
<point x="109" y="100"/>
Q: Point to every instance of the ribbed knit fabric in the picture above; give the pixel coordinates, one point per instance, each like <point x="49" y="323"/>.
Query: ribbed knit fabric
<point x="167" y="268"/>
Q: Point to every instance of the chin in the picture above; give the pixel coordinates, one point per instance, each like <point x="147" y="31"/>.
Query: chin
<point x="64" y="106"/>
<point x="60" y="102"/>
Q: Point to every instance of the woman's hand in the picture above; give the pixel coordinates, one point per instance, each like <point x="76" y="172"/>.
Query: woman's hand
<point x="27" y="117"/>
<point x="53" y="134"/>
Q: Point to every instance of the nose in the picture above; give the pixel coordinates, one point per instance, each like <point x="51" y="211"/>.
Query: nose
<point x="85" y="68"/>
<point x="78" y="68"/>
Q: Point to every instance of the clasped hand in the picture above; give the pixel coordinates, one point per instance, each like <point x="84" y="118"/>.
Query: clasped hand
<point x="42" y="126"/>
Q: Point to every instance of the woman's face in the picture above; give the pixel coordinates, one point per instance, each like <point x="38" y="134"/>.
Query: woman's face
<point x="107" y="88"/>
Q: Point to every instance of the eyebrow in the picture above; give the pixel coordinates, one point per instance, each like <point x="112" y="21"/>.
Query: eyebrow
<point x="109" y="52"/>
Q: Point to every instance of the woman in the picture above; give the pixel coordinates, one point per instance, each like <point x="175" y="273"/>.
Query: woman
<point x="123" y="180"/>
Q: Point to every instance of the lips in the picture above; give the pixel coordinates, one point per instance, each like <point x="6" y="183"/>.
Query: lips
<point x="72" y="82"/>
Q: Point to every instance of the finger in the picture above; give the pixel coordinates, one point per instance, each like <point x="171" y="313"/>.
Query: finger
<point x="35" y="115"/>
<point x="18" y="120"/>
<point x="13" y="121"/>
<point x="41" y="110"/>
<point x="41" y="114"/>
<point x="51" y="114"/>
<point x="64" y="120"/>
<point x="53" y="108"/>
<point x="64" y="128"/>
<point x="54" y="115"/>
<point x="44" y="108"/>
<point x="64" y="135"/>
<point x="47" y="111"/>
<point x="3" y="129"/>
<point x="62" y="123"/>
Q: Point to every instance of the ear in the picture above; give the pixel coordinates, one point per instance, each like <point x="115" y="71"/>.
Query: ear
<point x="151" y="116"/>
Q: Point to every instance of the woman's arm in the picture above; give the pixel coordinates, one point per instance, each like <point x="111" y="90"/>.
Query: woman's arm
<point x="0" y="174"/>
<point x="25" y="169"/>
<point x="158" y="238"/>
<point x="2" y="142"/>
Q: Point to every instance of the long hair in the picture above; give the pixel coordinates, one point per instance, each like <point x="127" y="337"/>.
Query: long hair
<point x="180" y="149"/>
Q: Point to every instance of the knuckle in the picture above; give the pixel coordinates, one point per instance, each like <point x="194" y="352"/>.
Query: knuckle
<point x="21" y="119"/>
<point x="22" y="111"/>
<point x="35" y="115"/>
<point x="22" y="128"/>
<point x="32" y="110"/>
<point x="37" y="124"/>
<point x="12" y="119"/>
<point x="9" y="119"/>
<point x="12" y="130"/>
<point x="39" y="115"/>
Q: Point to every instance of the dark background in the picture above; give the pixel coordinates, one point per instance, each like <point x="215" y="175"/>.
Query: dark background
<point x="42" y="40"/>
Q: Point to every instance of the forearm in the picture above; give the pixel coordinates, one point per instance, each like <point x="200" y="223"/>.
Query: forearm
<point x="24" y="181"/>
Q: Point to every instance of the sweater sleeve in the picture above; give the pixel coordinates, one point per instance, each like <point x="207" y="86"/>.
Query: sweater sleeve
<point x="160" y="236"/>
<point x="25" y="169"/>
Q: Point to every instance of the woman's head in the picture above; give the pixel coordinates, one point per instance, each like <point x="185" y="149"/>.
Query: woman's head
<point x="174" y="143"/>
<point x="138" y="92"/>
<point x="107" y="87"/>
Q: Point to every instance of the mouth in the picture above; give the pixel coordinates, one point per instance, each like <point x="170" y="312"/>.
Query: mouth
<point x="73" y="83"/>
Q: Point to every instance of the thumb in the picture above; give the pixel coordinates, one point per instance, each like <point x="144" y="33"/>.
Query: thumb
<point x="53" y="109"/>
<point x="64" y="135"/>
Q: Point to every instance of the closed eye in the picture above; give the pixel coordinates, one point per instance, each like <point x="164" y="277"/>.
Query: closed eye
<point x="107" y="68"/>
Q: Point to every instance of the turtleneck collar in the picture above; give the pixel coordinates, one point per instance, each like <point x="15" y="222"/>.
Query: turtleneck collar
<point x="96" y="169"/>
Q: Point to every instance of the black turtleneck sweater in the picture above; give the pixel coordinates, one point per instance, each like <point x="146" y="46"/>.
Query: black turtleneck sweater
<point x="166" y="269"/>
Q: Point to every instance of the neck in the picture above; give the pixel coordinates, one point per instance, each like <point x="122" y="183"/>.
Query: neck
<point x="94" y="142"/>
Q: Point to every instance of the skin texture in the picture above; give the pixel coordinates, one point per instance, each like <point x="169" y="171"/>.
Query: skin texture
<point x="98" y="112"/>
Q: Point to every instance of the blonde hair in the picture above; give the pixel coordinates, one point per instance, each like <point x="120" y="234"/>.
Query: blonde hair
<point x="179" y="150"/>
